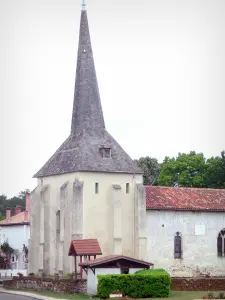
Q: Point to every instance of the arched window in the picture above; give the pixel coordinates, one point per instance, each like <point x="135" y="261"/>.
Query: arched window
<point x="221" y="243"/>
<point x="177" y="245"/>
<point x="58" y="221"/>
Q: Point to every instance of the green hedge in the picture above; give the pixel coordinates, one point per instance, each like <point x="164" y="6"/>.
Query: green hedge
<point x="142" y="284"/>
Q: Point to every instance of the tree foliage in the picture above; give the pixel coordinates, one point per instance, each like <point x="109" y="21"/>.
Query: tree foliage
<point x="5" y="255"/>
<point x="151" y="169"/>
<point x="187" y="170"/>
<point x="18" y="200"/>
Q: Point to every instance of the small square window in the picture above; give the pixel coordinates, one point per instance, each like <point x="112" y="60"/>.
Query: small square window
<point x="107" y="153"/>
<point x="127" y="188"/>
<point x="96" y="188"/>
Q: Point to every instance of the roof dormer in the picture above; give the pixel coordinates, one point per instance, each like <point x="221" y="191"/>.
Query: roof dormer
<point x="106" y="152"/>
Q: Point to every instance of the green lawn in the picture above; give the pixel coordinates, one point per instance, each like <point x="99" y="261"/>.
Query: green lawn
<point x="174" y="295"/>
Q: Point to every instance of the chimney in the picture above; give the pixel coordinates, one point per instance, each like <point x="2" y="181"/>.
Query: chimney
<point x="28" y="203"/>
<point x="17" y="210"/>
<point x="8" y="213"/>
<point x="26" y="216"/>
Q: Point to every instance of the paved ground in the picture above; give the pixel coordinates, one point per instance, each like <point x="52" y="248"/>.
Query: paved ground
<point x="4" y="296"/>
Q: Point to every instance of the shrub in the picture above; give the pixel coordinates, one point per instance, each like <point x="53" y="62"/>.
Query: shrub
<point x="142" y="284"/>
<point x="151" y="271"/>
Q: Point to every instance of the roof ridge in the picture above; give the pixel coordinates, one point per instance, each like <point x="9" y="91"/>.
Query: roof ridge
<point x="183" y="187"/>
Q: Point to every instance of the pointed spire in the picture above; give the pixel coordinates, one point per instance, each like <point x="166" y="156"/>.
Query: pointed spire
<point x="84" y="149"/>
<point x="87" y="113"/>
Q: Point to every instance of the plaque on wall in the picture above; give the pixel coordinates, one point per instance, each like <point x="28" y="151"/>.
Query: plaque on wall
<point x="199" y="229"/>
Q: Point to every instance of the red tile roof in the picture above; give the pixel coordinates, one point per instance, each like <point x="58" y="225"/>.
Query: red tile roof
<point x="85" y="247"/>
<point x="19" y="219"/>
<point x="112" y="258"/>
<point x="170" y="198"/>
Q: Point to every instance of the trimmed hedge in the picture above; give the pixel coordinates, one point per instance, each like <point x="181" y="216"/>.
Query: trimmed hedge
<point x="142" y="284"/>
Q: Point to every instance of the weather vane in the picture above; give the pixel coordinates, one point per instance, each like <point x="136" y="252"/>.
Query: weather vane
<point x="83" y="4"/>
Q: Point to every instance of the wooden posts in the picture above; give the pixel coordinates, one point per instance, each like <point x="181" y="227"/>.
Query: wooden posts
<point x="81" y="269"/>
<point x="75" y="266"/>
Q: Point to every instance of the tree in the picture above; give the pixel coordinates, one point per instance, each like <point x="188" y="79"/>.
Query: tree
<point x="215" y="172"/>
<point x="5" y="257"/>
<point x="151" y="169"/>
<point x="18" y="200"/>
<point x="22" y="194"/>
<point x="185" y="170"/>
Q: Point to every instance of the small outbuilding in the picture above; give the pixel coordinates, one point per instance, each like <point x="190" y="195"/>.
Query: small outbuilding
<point x="83" y="250"/>
<point x="111" y="264"/>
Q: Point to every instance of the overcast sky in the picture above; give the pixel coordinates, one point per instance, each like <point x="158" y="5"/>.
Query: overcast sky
<point x="160" y="67"/>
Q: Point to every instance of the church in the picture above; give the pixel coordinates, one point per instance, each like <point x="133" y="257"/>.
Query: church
<point x="91" y="189"/>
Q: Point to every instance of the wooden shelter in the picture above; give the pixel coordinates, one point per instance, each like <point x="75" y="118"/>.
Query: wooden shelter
<point x="83" y="250"/>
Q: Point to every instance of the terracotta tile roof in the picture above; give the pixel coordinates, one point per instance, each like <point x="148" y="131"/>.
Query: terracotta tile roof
<point x="21" y="218"/>
<point x="85" y="247"/>
<point x="110" y="258"/>
<point x="170" y="198"/>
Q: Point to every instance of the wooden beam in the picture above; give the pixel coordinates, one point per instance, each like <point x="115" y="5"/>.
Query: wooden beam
<point x="75" y="266"/>
<point x="81" y="269"/>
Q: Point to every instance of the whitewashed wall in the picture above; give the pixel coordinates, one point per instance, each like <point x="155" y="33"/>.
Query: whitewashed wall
<point x="92" y="280"/>
<point x="115" y="233"/>
<point x="199" y="251"/>
<point x="17" y="236"/>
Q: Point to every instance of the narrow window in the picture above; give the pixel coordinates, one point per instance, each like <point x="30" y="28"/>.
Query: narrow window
<point x="177" y="246"/>
<point x="127" y="188"/>
<point x="58" y="221"/>
<point x="96" y="188"/>
<point x="221" y="243"/>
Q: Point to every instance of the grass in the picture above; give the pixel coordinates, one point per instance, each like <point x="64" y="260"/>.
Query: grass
<point x="175" y="295"/>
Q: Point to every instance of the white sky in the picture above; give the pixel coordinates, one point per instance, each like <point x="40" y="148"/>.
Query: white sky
<point x="160" y="67"/>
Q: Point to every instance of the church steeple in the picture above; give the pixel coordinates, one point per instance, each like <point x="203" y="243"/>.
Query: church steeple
<point x="87" y="113"/>
<point x="89" y="147"/>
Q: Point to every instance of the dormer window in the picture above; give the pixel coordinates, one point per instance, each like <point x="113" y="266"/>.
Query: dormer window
<point x="105" y="152"/>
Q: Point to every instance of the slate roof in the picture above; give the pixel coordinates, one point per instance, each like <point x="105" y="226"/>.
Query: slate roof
<point x="85" y="247"/>
<point x="81" y="150"/>
<point x="192" y="199"/>
<point x="112" y="258"/>
<point x="22" y="218"/>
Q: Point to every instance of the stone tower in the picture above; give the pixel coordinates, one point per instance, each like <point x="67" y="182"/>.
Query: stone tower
<point x="90" y="187"/>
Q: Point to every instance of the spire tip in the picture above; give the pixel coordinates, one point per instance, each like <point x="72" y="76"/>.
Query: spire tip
<point x="84" y="4"/>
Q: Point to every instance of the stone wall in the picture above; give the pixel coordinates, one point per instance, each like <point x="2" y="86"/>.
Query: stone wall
<point x="69" y="286"/>
<point x="198" y="284"/>
<point x="199" y="248"/>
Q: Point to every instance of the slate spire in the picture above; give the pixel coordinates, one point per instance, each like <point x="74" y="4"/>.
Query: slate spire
<point x="87" y="115"/>
<point x="89" y="147"/>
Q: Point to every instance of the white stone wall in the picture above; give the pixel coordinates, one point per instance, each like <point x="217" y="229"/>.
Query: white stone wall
<point x="111" y="215"/>
<point x="92" y="279"/>
<point x="199" y="251"/>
